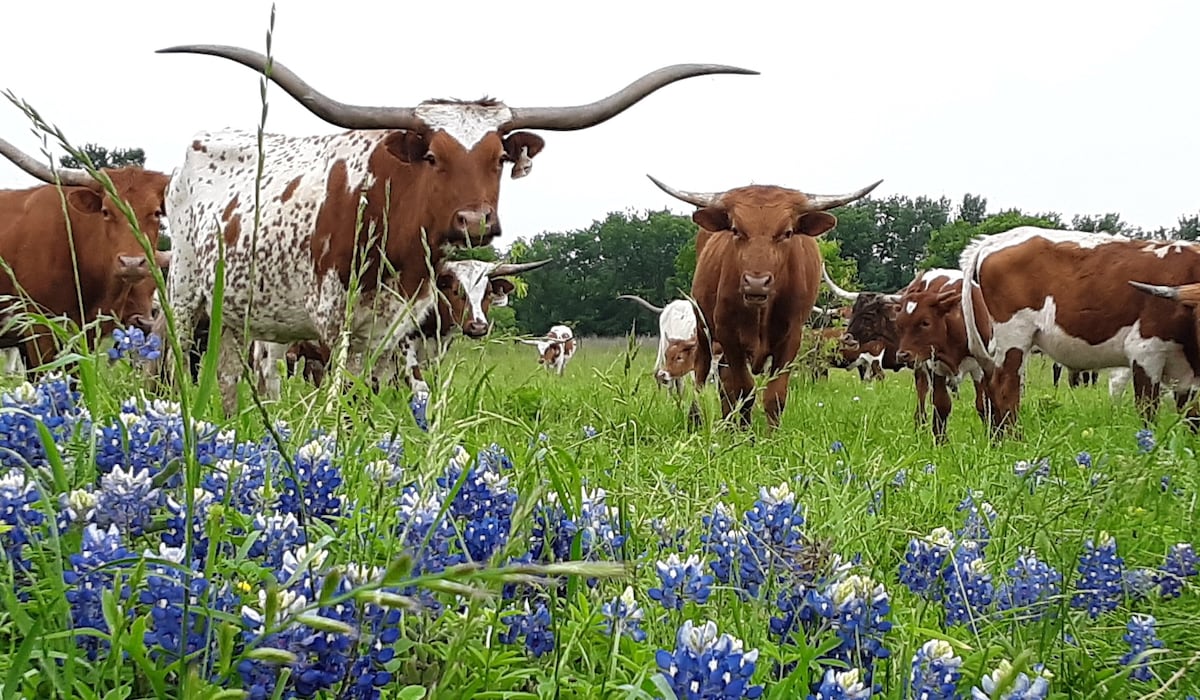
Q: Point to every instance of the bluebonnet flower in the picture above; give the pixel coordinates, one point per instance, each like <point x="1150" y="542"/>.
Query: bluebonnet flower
<point x="1138" y="583"/>
<point x="969" y="589"/>
<point x="936" y="671"/>
<point x="419" y="406"/>
<point x="858" y="608"/>
<point x="1031" y="587"/>
<point x="426" y="532"/>
<point x="1023" y="687"/>
<point x="127" y="500"/>
<point x="681" y="580"/>
<point x="704" y="665"/>
<point x="726" y="546"/>
<point x="277" y="535"/>
<point x="534" y="625"/>
<point x="136" y="345"/>
<point x="1101" y="572"/>
<point x="841" y="685"/>
<point x="166" y="589"/>
<point x="1084" y="459"/>
<point x="483" y="506"/>
<point x="17" y="496"/>
<point x="51" y="403"/>
<point x="625" y="615"/>
<point x="668" y="538"/>
<point x="1036" y="472"/>
<point x="78" y="506"/>
<point x="923" y="563"/>
<point x="773" y="533"/>
<point x="900" y="479"/>
<point x="1142" y="638"/>
<point x="598" y="526"/>
<point x="930" y="467"/>
<point x="977" y="525"/>
<point x="1145" y="440"/>
<point x="589" y="432"/>
<point x="1181" y="563"/>
<point x="837" y="446"/>
<point x="314" y="495"/>
<point x="87" y="581"/>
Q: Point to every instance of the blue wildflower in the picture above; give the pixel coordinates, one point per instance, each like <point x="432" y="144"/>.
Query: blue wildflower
<point x="18" y="516"/>
<point x="1145" y="440"/>
<point x="704" y="665"/>
<point x="1084" y="459"/>
<point x="535" y="625"/>
<point x="681" y="580"/>
<point x="858" y="608"/>
<point x="127" y="500"/>
<point x="1023" y="687"/>
<point x="936" y="671"/>
<point x="841" y="685"/>
<point x="88" y="579"/>
<point x="969" y="589"/>
<point x="419" y="406"/>
<point x="624" y="615"/>
<point x="310" y="491"/>
<point x="1100" y="569"/>
<point x="1031" y="587"/>
<point x="589" y="432"/>
<point x="1141" y="638"/>
<point x="923" y="563"/>
<point x="837" y="446"/>
<point x="1181" y="563"/>
<point x="135" y="345"/>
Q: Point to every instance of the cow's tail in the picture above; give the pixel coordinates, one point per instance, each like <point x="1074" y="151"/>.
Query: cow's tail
<point x="838" y="291"/>
<point x="969" y="262"/>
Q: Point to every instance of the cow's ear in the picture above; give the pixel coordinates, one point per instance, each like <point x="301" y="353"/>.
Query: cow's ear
<point x="408" y="146"/>
<point x="1189" y="295"/>
<point x="891" y="311"/>
<point x="949" y="299"/>
<point x="501" y="288"/>
<point x="712" y="218"/>
<point x="520" y="147"/>
<point x="814" y="223"/>
<point x="85" y="200"/>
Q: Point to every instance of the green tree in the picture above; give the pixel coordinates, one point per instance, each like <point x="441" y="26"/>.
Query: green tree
<point x="1106" y="223"/>
<point x="972" y="210"/>
<point x="947" y="243"/>
<point x="1188" y="228"/>
<point x="885" y="237"/>
<point x="101" y="157"/>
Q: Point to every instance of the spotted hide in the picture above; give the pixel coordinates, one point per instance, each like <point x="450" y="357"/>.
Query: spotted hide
<point x="757" y="272"/>
<point x="422" y="178"/>
<point x="73" y="253"/>
<point x="556" y="349"/>
<point x="1068" y="292"/>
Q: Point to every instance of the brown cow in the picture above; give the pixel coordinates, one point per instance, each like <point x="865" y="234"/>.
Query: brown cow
<point x="933" y="339"/>
<point x="378" y="204"/>
<point x="757" y="273"/>
<point x="76" y="258"/>
<point x="1067" y="292"/>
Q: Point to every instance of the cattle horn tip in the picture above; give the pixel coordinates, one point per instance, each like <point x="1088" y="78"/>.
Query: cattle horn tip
<point x="1158" y="290"/>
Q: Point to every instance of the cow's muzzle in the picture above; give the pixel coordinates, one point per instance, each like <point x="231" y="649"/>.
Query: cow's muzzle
<point x="477" y="224"/>
<point x="904" y="356"/>
<point x="143" y="323"/>
<point x="756" y="288"/>
<point x="476" y="329"/>
<point x="849" y="342"/>
<point x="663" y="376"/>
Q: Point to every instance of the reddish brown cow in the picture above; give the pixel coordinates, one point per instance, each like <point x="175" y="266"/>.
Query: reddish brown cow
<point x="933" y="338"/>
<point x="80" y="261"/>
<point x="1067" y="293"/>
<point x="757" y="272"/>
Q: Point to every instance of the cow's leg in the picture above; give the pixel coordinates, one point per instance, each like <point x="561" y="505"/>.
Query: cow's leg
<point x="704" y="362"/>
<point x="982" y="401"/>
<point x="737" y="388"/>
<point x="229" y="369"/>
<point x="1145" y="392"/>
<point x="942" y="406"/>
<point x="1005" y="392"/>
<point x="1185" y="401"/>
<point x="1057" y="370"/>
<point x="775" y="397"/>
<point x="921" y="384"/>
<point x="862" y="373"/>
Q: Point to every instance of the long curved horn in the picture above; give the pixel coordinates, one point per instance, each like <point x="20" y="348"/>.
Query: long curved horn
<point x="891" y="298"/>
<point x="643" y="302"/>
<point x="699" y="199"/>
<point x="837" y="291"/>
<point x="1158" y="290"/>
<point x="584" y="116"/>
<point x="516" y="268"/>
<point x="38" y="169"/>
<point x="821" y="202"/>
<point x="336" y="113"/>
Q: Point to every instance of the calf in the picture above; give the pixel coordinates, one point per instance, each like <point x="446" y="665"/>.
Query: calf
<point x="556" y="349"/>
<point x="1067" y="293"/>
<point x="933" y="338"/>
<point x="758" y="268"/>
<point x="677" y="340"/>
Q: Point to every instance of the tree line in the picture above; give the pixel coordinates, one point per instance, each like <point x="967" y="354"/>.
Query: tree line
<point x="878" y="245"/>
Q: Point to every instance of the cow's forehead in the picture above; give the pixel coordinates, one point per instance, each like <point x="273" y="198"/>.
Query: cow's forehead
<point x="471" y="274"/>
<point x="465" y="122"/>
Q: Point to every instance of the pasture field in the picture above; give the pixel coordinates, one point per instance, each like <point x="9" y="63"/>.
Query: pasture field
<point x="340" y="570"/>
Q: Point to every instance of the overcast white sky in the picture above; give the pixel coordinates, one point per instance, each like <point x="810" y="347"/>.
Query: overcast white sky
<point x="1075" y="107"/>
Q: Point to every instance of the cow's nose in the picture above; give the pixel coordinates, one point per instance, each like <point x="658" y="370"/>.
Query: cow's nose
<point x="662" y="376"/>
<point x="475" y="329"/>
<point x="757" y="285"/>
<point x="904" y="356"/>
<point x="143" y="323"/>
<point x="849" y="341"/>
<point x="477" y="221"/>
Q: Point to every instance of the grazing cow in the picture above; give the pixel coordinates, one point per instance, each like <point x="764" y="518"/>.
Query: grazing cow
<point x="677" y="340"/>
<point x="1067" y="293"/>
<point x="933" y="339"/>
<point x="758" y="268"/>
<point x="556" y="349"/>
<point x="870" y="328"/>
<point x="1075" y="378"/>
<point x="419" y="178"/>
<point x="73" y="253"/>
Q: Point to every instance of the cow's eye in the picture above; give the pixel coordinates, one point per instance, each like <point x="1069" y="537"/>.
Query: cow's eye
<point x="429" y="158"/>
<point x="788" y="233"/>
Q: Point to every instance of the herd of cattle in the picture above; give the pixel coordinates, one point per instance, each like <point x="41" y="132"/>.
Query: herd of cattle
<point x="350" y="237"/>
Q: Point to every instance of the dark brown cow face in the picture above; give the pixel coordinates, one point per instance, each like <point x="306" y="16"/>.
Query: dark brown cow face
<point x="762" y="222"/>
<point x="461" y="187"/>
<point x="131" y="290"/>
<point x="679" y="358"/>
<point x="924" y="323"/>
<point x="872" y="318"/>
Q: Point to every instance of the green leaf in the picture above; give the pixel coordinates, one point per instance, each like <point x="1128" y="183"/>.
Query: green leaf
<point x="19" y="661"/>
<point x="412" y="692"/>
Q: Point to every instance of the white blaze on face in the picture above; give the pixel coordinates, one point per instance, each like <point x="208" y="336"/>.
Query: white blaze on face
<point x="910" y="307"/>
<point x="466" y="123"/>
<point x="473" y="277"/>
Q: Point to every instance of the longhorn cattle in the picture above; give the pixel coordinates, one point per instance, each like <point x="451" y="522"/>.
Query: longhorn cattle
<point x="870" y="328"/>
<point x="556" y="349"/>
<point x="677" y="340"/>
<point x="1067" y="292"/>
<point x="758" y="268"/>
<point x="424" y="177"/>
<point x="73" y="253"/>
<point x="933" y="339"/>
